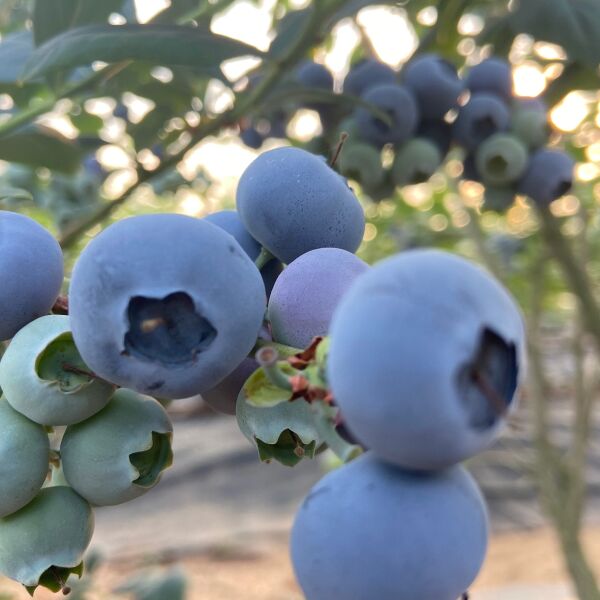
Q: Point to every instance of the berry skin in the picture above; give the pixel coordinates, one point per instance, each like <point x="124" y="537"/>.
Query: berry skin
<point x="311" y="74"/>
<point x="252" y="137"/>
<point x="549" y="176"/>
<point x="118" y="454"/>
<point x="399" y="104"/>
<point x="371" y="530"/>
<point x="416" y="344"/>
<point x="307" y="293"/>
<point x="470" y="169"/>
<point x="46" y="538"/>
<point x="416" y="161"/>
<point x="292" y="202"/>
<point x="165" y="304"/>
<point x="493" y="75"/>
<point x="482" y="116"/>
<point x="498" y="199"/>
<point x="25" y="449"/>
<point x="529" y="122"/>
<point x="229" y="220"/>
<point x="224" y="395"/>
<point x="37" y="384"/>
<point x="501" y="159"/>
<point x="361" y="162"/>
<point x="435" y="84"/>
<point x="31" y="271"/>
<point x="367" y="74"/>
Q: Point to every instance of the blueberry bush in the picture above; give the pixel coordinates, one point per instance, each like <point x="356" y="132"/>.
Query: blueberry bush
<point x="329" y="297"/>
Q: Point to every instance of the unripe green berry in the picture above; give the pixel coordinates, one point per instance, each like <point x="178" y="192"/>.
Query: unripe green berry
<point x="498" y="199"/>
<point x="43" y="376"/>
<point x="44" y="542"/>
<point x="501" y="159"/>
<point x="416" y="161"/>
<point x="530" y="126"/>
<point x="119" y="453"/>
<point x="24" y="463"/>
<point x="361" y="162"/>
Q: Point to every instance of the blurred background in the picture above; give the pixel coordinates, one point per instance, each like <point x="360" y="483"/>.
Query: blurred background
<point x="101" y="142"/>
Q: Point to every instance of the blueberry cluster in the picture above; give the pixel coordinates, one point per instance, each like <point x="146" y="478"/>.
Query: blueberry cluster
<point x="426" y="354"/>
<point x="426" y="110"/>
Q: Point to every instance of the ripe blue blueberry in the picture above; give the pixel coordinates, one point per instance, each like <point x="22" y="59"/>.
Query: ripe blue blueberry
<point x="371" y="530"/>
<point x="312" y="74"/>
<point x="291" y="201"/>
<point x="252" y="137"/>
<point x="501" y="159"/>
<point x="427" y="351"/>
<point x="400" y="106"/>
<point x="43" y="377"/>
<point x="437" y="131"/>
<point x="31" y="272"/>
<point x="482" y="116"/>
<point x="25" y="449"/>
<point x="119" y="453"/>
<point x="308" y="291"/>
<point x="435" y="84"/>
<point x="416" y="161"/>
<point x="493" y="75"/>
<point x="367" y="74"/>
<point x="165" y="304"/>
<point x="549" y="176"/>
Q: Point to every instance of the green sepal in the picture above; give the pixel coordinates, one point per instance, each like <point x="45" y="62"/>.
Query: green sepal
<point x="55" y="578"/>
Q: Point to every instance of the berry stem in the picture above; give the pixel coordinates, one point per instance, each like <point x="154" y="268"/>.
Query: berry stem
<point x="338" y="149"/>
<point x="325" y="419"/>
<point x="263" y="258"/>
<point x="267" y="358"/>
<point x="61" y="306"/>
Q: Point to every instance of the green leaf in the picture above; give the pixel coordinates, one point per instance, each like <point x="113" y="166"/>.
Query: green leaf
<point x="87" y="123"/>
<point x="158" y="44"/>
<point x="289" y="30"/>
<point x="41" y="149"/>
<point x="572" y="24"/>
<point x="261" y="392"/>
<point x="15" y="51"/>
<point x="51" y="17"/>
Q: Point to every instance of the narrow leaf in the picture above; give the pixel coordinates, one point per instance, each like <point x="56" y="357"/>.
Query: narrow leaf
<point x="158" y="44"/>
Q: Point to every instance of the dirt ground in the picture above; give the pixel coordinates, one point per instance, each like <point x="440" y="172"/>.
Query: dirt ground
<point x="514" y="559"/>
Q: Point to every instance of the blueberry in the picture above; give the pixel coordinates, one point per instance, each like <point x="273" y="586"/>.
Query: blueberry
<point x="501" y="159"/>
<point x="371" y="530"/>
<point x="549" y="176"/>
<point x="45" y="541"/>
<point x="493" y="75"/>
<point x="307" y="293"/>
<point x="361" y="162"/>
<point x="435" y="84"/>
<point x="529" y="122"/>
<point x="224" y="395"/>
<point x="93" y="168"/>
<point x="121" y="111"/>
<point x="119" y="453"/>
<point x="31" y="272"/>
<point x="416" y="161"/>
<point x="470" y="170"/>
<point x="229" y="220"/>
<point x="482" y="116"/>
<point x="43" y="377"/>
<point x="367" y="74"/>
<point x="25" y="449"/>
<point x="400" y="106"/>
<point x="498" y="199"/>
<point x="252" y="137"/>
<point x="292" y="202"/>
<point x="165" y="304"/>
<point x="314" y="75"/>
<point x="426" y="354"/>
<point x="437" y="131"/>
